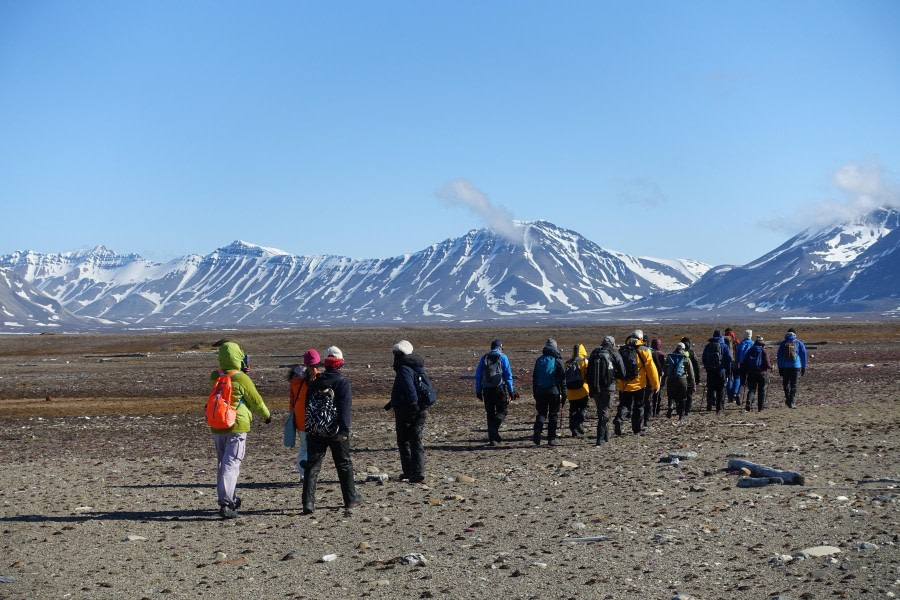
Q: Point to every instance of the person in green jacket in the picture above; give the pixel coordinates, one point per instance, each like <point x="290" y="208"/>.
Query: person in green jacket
<point x="231" y="443"/>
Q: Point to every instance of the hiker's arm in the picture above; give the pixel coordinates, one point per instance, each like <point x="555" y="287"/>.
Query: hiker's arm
<point x="252" y="398"/>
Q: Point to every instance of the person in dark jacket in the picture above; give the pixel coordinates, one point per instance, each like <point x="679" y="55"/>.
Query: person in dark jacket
<point x="791" y="365"/>
<point x="548" y="383"/>
<point x="695" y="364"/>
<point x="494" y="387"/>
<point x="677" y="384"/>
<point x="716" y="360"/>
<point x="603" y="397"/>
<point x="659" y="359"/>
<point x="409" y="418"/>
<point x="755" y="367"/>
<point x="338" y="443"/>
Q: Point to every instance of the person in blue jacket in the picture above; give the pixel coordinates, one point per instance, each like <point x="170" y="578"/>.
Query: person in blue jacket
<point x="494" y="387"/>
<point x="736" y="366"/>
<point x="791" y="365"/>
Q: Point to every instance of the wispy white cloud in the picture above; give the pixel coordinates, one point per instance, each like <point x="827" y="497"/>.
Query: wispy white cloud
<point x="862" y="189"/>
<point x="642" y="192"/>
<point x="461" y="192"/>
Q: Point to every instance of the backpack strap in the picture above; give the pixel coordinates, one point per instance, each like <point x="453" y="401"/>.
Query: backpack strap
<point x="230" y="375"/>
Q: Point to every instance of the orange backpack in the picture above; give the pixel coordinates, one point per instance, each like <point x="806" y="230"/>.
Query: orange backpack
<point x="219" y="412"/>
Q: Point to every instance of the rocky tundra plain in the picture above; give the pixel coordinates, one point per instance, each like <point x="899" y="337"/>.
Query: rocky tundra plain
<point x="108" y="481"/>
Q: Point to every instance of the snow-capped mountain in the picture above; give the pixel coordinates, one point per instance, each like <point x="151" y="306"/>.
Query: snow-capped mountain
<point x="843" y="268"/>
<point x="547" y="271"/>
<point x="24" y="308"/>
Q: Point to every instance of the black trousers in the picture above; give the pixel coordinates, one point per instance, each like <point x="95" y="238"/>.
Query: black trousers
<point x="648" y="405"/>
<point x="340" y="453"/>
<point x="756" y="388"/>
<point x="577" y="413"/>
<point x="410" y="422"/>
<point x="789" y="378"/>
<point x="603" y="400"/>
<point x="547" y="403"/>
<point x="715" y="390"/>
<point x="496" y="403"/>
<point x="634" y="401"/>
<point x="676" y="390"/>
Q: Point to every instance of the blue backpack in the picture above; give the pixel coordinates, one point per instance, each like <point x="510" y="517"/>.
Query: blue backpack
<point x="544" y="370"/>
<point x="675" y="364"/>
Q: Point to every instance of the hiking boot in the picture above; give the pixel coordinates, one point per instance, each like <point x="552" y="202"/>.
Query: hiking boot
<point x="747" y="407"/>
<point x="359" y="499"/>
<point x="237" y="502"/>
<point x="414" y="479"/>
<point x="227" y="512"/>
<point x="553" y="442"/>
<point x="617" y="428"/>
<point x="308" y="510"/>
<point x="492" y="443"/>
<point x="536" y="438"/>
<point x="574" y="433"/>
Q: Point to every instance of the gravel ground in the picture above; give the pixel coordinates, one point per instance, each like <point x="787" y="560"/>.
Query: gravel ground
<point x="109" y="488"/>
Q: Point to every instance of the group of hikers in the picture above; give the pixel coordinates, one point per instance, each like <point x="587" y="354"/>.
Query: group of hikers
<point x="638" y="370"/>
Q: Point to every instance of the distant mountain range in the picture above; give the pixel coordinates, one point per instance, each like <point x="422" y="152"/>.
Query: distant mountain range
<point x="546" y="273"/>
<point x="845" y="268"/>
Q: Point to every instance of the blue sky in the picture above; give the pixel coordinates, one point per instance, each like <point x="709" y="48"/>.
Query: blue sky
<point x="703" y="130"/>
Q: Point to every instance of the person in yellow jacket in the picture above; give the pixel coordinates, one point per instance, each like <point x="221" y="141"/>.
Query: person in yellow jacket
<point x="577" y="389"/>
<point x="231" y="443"/>
<point x="631" y="391"/>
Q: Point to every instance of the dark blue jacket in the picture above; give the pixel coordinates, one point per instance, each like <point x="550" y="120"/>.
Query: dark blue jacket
<point x="343" y="396"/>
<point x="403" y="394"/>
<point x="559" y="371"/>
<point x="726" y="353"/>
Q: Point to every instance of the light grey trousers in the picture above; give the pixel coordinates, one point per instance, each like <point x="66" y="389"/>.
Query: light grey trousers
<point x="230" y="448"/>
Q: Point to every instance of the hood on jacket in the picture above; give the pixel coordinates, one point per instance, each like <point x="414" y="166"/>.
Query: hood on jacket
<point x="551" y="351"/>
<point x="414" y="360"/>
<point x="230" y="357"/>
<point x="656" y="344"/>
<point x="790" y="336"/>
<point x="609" y="342"/>
<point x="748" y="334"/>
<point x="578" y="351"/>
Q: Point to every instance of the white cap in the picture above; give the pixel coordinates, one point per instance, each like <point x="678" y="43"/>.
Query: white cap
<point x="335" y="352"/>
<point x="403" y="347"/>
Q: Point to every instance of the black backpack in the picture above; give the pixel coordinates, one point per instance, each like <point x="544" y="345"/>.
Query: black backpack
<point x="712" y="356"/>
<point x="629" y="358"/>
<point x="601" y="371"/>
<point x="754" y="359"/>
<point x="574" y="379"/>
<point x="321" y="412"/>
<point x="425" y="391"/>
<point x="492" y="371"/>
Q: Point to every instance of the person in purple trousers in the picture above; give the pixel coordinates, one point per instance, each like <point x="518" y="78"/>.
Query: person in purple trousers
<point x="231" y="443"/>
